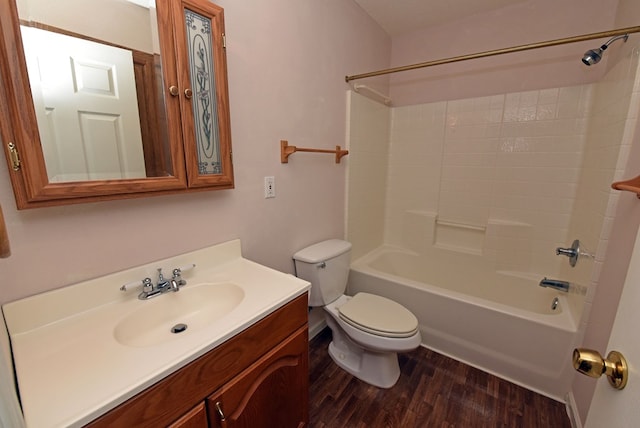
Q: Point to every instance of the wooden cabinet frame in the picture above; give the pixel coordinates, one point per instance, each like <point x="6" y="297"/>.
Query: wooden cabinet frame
<point x="18" y="125"/>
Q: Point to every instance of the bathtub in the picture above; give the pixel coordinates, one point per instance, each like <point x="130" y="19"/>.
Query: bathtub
<point x="501" y="322"/>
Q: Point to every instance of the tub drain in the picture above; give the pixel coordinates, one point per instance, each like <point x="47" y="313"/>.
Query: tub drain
<point x="178" y="328"/>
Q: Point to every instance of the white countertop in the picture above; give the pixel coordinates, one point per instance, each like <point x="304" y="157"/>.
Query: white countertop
<point x="70" y="367"/>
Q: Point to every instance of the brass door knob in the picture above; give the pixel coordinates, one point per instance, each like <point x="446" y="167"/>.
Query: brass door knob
<point x="591" y="363"/>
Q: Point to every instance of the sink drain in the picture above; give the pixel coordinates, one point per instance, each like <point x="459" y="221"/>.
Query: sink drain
<point x="178" y="328"/>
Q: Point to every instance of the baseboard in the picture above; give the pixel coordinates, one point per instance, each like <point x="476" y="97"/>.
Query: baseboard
<point x="570" y="403"/>
<point x="316" y="322"/>
<point x="315" y="329"/>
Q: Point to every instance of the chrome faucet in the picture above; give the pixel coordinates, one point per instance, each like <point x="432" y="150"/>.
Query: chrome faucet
<point x="556" y="284"/>
<point x="163" y="285"/>
<point x="176" y="279"/>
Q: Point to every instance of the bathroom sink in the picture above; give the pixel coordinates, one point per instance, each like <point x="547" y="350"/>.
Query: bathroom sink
<point x="173" y="315"/>
<point x="81" y="350"/>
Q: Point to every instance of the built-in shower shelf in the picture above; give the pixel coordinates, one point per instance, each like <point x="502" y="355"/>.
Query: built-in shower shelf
<point x="632" y="185"/>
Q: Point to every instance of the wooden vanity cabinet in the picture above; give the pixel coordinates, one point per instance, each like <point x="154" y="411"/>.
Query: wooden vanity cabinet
<point x="258" y="378"/>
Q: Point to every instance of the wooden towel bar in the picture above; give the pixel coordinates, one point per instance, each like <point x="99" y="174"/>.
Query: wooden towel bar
<point x="286" y="150"/>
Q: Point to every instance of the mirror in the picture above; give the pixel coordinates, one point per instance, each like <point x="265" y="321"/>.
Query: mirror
<point x="96" y="85"/>
<point x="117" y="99"/>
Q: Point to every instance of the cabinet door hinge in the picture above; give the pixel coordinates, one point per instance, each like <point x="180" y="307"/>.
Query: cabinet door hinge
<point x="224" y="40"/>
<point x="14" y="156"/>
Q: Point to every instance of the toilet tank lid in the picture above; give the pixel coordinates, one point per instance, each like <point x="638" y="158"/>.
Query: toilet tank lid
<point x="323" y="251"/>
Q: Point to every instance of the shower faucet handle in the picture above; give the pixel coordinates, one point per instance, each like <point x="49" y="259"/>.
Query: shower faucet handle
<point x="572" y="252"/>
<point x="569" y="252"/>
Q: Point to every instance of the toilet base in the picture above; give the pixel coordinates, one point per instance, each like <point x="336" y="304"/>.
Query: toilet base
<point x="377" y="369"/>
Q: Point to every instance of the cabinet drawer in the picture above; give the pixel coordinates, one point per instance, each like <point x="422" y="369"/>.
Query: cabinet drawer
<point x="196" y="418"/>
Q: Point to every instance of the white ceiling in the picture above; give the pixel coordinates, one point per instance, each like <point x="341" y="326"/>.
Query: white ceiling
<point x="401" y="16"/>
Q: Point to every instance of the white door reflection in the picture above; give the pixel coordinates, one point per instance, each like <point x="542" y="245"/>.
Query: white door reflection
<point x="86" y="107"/>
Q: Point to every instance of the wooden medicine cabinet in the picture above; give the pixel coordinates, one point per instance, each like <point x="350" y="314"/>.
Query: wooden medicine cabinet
<point x="116" y="99"/>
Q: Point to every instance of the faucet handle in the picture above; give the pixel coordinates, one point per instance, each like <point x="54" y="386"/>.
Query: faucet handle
<point x="177" y="280"/>
<point x="573" y="252"/>
<point x="185" y="267"/>
<point x="178" y="271"/>
<point x="128" y="285"/>
<point x="147" y="285"/>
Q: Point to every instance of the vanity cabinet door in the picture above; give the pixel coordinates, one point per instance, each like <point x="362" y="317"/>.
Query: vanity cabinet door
<point x="196" y="418"/>
<point x="272" y="392"/>
<point x="202" y="68"/>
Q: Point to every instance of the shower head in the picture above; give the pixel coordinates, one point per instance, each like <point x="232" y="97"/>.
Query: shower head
<point x="593" y="56"/>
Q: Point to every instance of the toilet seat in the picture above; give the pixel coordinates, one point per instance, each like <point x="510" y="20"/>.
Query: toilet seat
<point x="378" y="316"/>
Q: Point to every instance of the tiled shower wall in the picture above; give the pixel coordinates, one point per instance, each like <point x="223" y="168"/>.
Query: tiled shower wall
<point x="512" y="159"/>
<point x="611" y="125"/>
<point x="518" y="169"/>
<point x="368" y="127"/>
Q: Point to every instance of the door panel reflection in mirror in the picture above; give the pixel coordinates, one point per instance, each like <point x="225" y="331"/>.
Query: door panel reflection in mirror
<point x="130" y="25"/>
<point x="84" y="95"/>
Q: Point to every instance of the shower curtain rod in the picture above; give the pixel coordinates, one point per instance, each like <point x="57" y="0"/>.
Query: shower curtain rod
<point x="556" y="42"/>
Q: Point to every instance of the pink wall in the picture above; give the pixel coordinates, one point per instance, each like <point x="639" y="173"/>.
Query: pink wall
<point x="520" y="24"/>
<point x="287" y="60"/>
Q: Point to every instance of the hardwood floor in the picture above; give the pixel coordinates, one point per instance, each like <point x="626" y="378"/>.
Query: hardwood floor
<point x="433" y="391"/>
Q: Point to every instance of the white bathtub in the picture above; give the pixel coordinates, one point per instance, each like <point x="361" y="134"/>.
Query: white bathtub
<point x="500" y="322"/>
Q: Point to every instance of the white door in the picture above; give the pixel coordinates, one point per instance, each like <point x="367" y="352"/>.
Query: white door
<point x="621" y="408"/>
<point x="85" y="98"/>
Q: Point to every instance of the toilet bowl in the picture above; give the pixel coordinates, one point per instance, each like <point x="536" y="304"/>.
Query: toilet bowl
<point x="368" y="330"/>
<point x="368" y="355"/>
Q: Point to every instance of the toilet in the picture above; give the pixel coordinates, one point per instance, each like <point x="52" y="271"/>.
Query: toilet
<point x="368" y="330"/>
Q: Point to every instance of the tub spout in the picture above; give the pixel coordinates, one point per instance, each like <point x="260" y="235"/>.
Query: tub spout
<point x="556" y="284"/>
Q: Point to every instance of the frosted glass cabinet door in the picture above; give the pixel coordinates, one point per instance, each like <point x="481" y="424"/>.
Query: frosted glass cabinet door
<point x="204" y="94"/>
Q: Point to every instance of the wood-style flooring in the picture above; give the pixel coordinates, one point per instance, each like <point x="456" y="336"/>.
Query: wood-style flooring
<point x="433" y="391"/>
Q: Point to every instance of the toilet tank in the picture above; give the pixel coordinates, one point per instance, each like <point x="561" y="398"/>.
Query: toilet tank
<point x="326" y="266"/>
